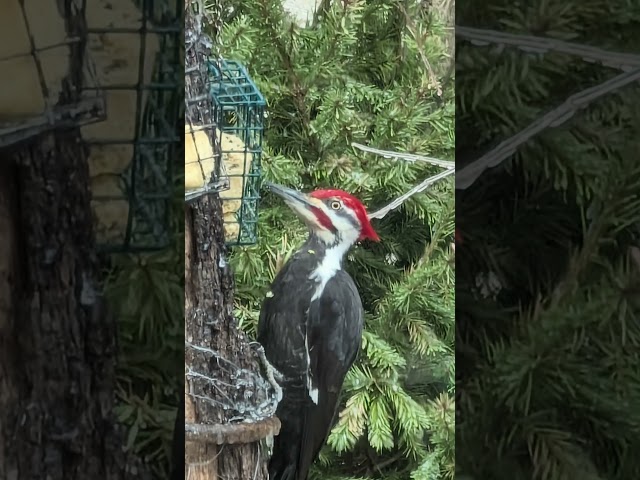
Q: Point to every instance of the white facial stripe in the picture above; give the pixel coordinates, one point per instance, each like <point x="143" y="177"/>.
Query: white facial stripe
<point x="310" y="219"/>
<point x="332" y="260"/>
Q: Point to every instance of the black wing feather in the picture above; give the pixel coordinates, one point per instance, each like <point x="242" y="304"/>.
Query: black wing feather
<point x="335" y="324"/>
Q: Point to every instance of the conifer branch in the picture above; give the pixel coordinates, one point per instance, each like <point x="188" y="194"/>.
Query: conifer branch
<point x="344" y="102"/>
<point x="533" y="44"/>
<point x="299" y="92"/>
<point x="470" y="173"/>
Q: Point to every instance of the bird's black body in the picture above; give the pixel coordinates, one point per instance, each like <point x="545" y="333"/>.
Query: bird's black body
<point x="304" y="338"/>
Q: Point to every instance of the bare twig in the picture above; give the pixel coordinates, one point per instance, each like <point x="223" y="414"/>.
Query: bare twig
<point x="417" y="189"/>
<point x="409" y="157"/>
<point x="470" y="173"/>
<point x="413" y="31"/>
<point x="532" y="44"/>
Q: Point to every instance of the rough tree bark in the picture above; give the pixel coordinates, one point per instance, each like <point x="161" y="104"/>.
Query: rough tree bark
<point x="218" y="356"/>
<point x="232" y="453"/>
<point x="57" y="343"/>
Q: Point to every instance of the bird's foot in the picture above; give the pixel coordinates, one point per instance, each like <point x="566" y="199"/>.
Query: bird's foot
<point x="273" y="375"/>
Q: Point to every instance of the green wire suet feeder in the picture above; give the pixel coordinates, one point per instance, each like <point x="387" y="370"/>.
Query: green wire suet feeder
<point x="232" y="166"/>
<point x="137" y="46"/>
<point x="127" y="108"/>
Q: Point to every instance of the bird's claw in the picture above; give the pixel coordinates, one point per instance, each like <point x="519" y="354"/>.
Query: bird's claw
<point x="272" y="374"/>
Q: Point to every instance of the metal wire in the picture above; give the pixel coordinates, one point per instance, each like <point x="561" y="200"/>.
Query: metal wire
<point x="248" y="399"/>
<point x="407" y="157"/>
<point x="421" y="187"/>
<point x="466" y="176"/>
<point x="533" y="44"/>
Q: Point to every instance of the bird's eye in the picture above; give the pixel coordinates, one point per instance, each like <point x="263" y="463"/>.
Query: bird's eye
<point x="336" y="205"/>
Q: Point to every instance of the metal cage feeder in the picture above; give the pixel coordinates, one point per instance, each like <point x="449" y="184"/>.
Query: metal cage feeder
<point x="138" y="50"/>
<point x="231" y="164"/>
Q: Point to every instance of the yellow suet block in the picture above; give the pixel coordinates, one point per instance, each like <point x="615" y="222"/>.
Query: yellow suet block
<point x="26" y="101"/>
<point x="199" y="161"/>
<point x="117" y="58"/>
<point x="46" y="22"/>
<point x="13" y="26"/>
<point x="236" y="163"/>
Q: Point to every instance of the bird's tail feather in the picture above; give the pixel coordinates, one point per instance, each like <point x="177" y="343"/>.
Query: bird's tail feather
<point x="283" y="464"/>
<point x="286" y="473"/>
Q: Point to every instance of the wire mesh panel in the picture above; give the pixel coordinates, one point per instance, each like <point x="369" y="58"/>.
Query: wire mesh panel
<point x="240" y="110"/>
<point x="235" y="169"/>
<point x="137" y="48"/>
<point x="39" y="90"/>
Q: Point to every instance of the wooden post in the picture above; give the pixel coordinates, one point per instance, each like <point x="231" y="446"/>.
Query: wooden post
<point x="57" y="366"/>
<point x="229" y="406"/>
<point x="216" y="447"/>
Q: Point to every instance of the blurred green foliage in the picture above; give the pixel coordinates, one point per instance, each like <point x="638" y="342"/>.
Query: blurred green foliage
<point x="547" y="358"/>
<point x="146" y="296"/>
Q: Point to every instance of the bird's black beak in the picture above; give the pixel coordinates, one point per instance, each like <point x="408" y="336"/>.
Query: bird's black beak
<point x="302" y="204"/>
<point x="295" y="199"/>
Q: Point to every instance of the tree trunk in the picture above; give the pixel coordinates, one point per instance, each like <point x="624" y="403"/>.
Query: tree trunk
<point x="229" y="407"/>
<point x="216" y="446"/>
<point x="57" y="345"/>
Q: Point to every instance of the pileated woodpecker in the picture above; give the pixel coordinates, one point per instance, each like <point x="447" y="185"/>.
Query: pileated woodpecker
<point x="311" y="325"/>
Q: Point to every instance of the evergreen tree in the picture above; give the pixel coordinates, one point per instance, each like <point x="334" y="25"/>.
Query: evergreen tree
<point x="547" y="307"/>
<point x="369" y="72"/>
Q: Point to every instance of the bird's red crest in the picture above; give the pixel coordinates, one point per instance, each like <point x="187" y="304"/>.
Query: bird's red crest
<point x="367" y="231"/>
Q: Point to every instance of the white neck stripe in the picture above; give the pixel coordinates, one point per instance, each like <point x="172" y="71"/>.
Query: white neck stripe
<point x="329" y="266"/>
